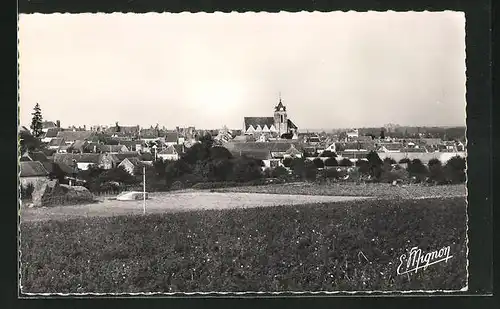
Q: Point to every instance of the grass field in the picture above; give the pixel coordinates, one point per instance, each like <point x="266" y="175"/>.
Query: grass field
<point x="378" y="190"/>
<point x="169" y="202"/>
<point x="349" y="245"/>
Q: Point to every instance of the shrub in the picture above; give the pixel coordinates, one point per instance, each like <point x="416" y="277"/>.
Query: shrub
<point x="374" y="164"/>
<point x="331" y="162"/>
<point x="319" y="163"/>
<point x="310" y="170"/>
<point x="287" y="162"/>
<point x="404" y="161"/>
<point x="279" y="172"/>
<point x="436" y="172"/>
<point x="345" y="162"/>
<point x="177" y="185"/>
<point x="27" y="191"/>
<point x="455" y="170"/>
<point x="417" y="170"/>
<point x="328" y="153"/>
<point x="389" y="161"/>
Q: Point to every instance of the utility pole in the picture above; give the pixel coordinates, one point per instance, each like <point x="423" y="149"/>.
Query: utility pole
<point x="144" y="189"/>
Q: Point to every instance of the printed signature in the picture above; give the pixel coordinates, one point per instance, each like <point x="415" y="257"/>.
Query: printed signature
<point x="417" y="260"/>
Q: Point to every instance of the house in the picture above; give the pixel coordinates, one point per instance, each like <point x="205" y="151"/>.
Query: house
<point x="390" y="147"/>
<point x="130" y="164"/>
<point x="55" y="143"/>
<point x="34" y="156"/>
<point x="79" y="146"/>
<point x="64" y="149"/>
<point x="32" y="172"/>
<point x="172" y="152"/>
<point x="172" y="138"/>
<point x="434" y="142"/>
<point x="352" y="134"/>
<point x="260" y="154"/>
<point x="275" y="126"/>
<point x="111" y="148"/>
<point x="83" y="161"/>
<point x="292" y="152"/>
<point x="46" y="125"/>
<point x="126" y="155"/>
<point x="70" y="137"/>
<point x="50" y="134"/>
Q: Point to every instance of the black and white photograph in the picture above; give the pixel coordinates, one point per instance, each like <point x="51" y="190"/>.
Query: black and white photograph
<point x="242" y="153"/>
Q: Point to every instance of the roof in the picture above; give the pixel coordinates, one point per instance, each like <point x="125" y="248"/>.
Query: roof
<point x="36" y="156"/>
<point x="48" y="124"/>
<point x="67" y="158"/>
<point x="260" y="154"/>
<point x="413" y="150"/>
<point x="171" y="137"/>
<point x="79" y="144"/>
<point x="134" y="160"/>
<point x="126" y="155"/>
<point x="52" y="132"/>
<point x="293" y="151"/>
<point x="291" y="125"/>
<point x="280" y="106"/>
<point x="32" y="169"/>
<point x="170" y="150"/>
<point x="75" y="135"/>
<point x="111" y="148"/>
<point x="56" y="142"/>
<point x="149" y="133"/>
<point x="268" y="146"/>
<point x="392" y="146"/>
<point x="256" y="121"/>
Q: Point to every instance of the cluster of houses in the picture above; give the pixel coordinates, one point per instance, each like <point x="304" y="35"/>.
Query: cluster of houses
<point x="270" y="139"/>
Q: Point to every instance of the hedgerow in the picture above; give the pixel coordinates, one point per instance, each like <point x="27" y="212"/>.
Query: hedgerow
<point x="325" y="247"/>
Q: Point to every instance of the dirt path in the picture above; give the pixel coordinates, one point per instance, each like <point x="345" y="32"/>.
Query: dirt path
<point x="174" y="202"/>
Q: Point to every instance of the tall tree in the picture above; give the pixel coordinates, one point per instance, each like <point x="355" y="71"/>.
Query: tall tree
<point x="36" y="122"/>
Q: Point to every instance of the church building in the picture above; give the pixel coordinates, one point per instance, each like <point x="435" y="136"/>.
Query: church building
<point x="274" y="126"/>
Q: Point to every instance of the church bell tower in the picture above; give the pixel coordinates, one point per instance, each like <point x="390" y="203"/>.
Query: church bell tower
<point x="280" y="118"/>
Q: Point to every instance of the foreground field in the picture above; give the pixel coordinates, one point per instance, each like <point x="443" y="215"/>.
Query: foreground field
<point x="379" y="190"/>
<point x="352" y="245"/>
<point x="168" y="202"/>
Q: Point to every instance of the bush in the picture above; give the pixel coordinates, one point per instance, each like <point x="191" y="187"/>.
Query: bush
<point x="404" y="161"/>
<point x="177" y="185"/>
<point x="328" y="153"/>
<point x="417" y="170"/>
<point x="389" y="161"/>
<point x="279" y="172"/>
<point x="319" y="163"/>
<point x="287" y="162"/>
<point x="310" y="171"/>
<point x="345" y="162"/>
<point x="455" y="170"/>
<point x="436" y="172"/>
<point x="27" y="191"/>
<point x="331" y="162"/>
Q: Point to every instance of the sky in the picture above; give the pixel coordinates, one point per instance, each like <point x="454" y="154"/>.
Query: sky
<point x="333" y="70"/>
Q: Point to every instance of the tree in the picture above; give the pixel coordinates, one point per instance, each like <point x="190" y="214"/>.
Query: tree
<point x="436" y="171"/>
<point x="455" y="170"/>
<point x="363" y="167"/>
<point x="404" y="161"/>
<point x="245" y="169"/>
<point x="37" y="122"/>
<point x="331" y="162"/>
<point x="345" y="162"/>
<point x="382" y="134"/>
<point x="117" y="127"/>
<point x="310" y="170"/>
<point x="374" y="164"/>
<point x="279" y="172"/>
<point x="319" y="163"/>
<point x="389" y="161"/>
<point x="28" y="142"/>
<point x="287" y="162"/>
<point x="328" y="153"/>
<point x="417" y="169"/>
<point x="287" y="136"/>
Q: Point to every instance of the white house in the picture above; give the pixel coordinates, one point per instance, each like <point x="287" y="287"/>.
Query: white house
<point x="172" y="152"/>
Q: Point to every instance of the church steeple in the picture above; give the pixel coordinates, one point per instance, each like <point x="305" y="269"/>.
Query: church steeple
<point x="280" y="106"/>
